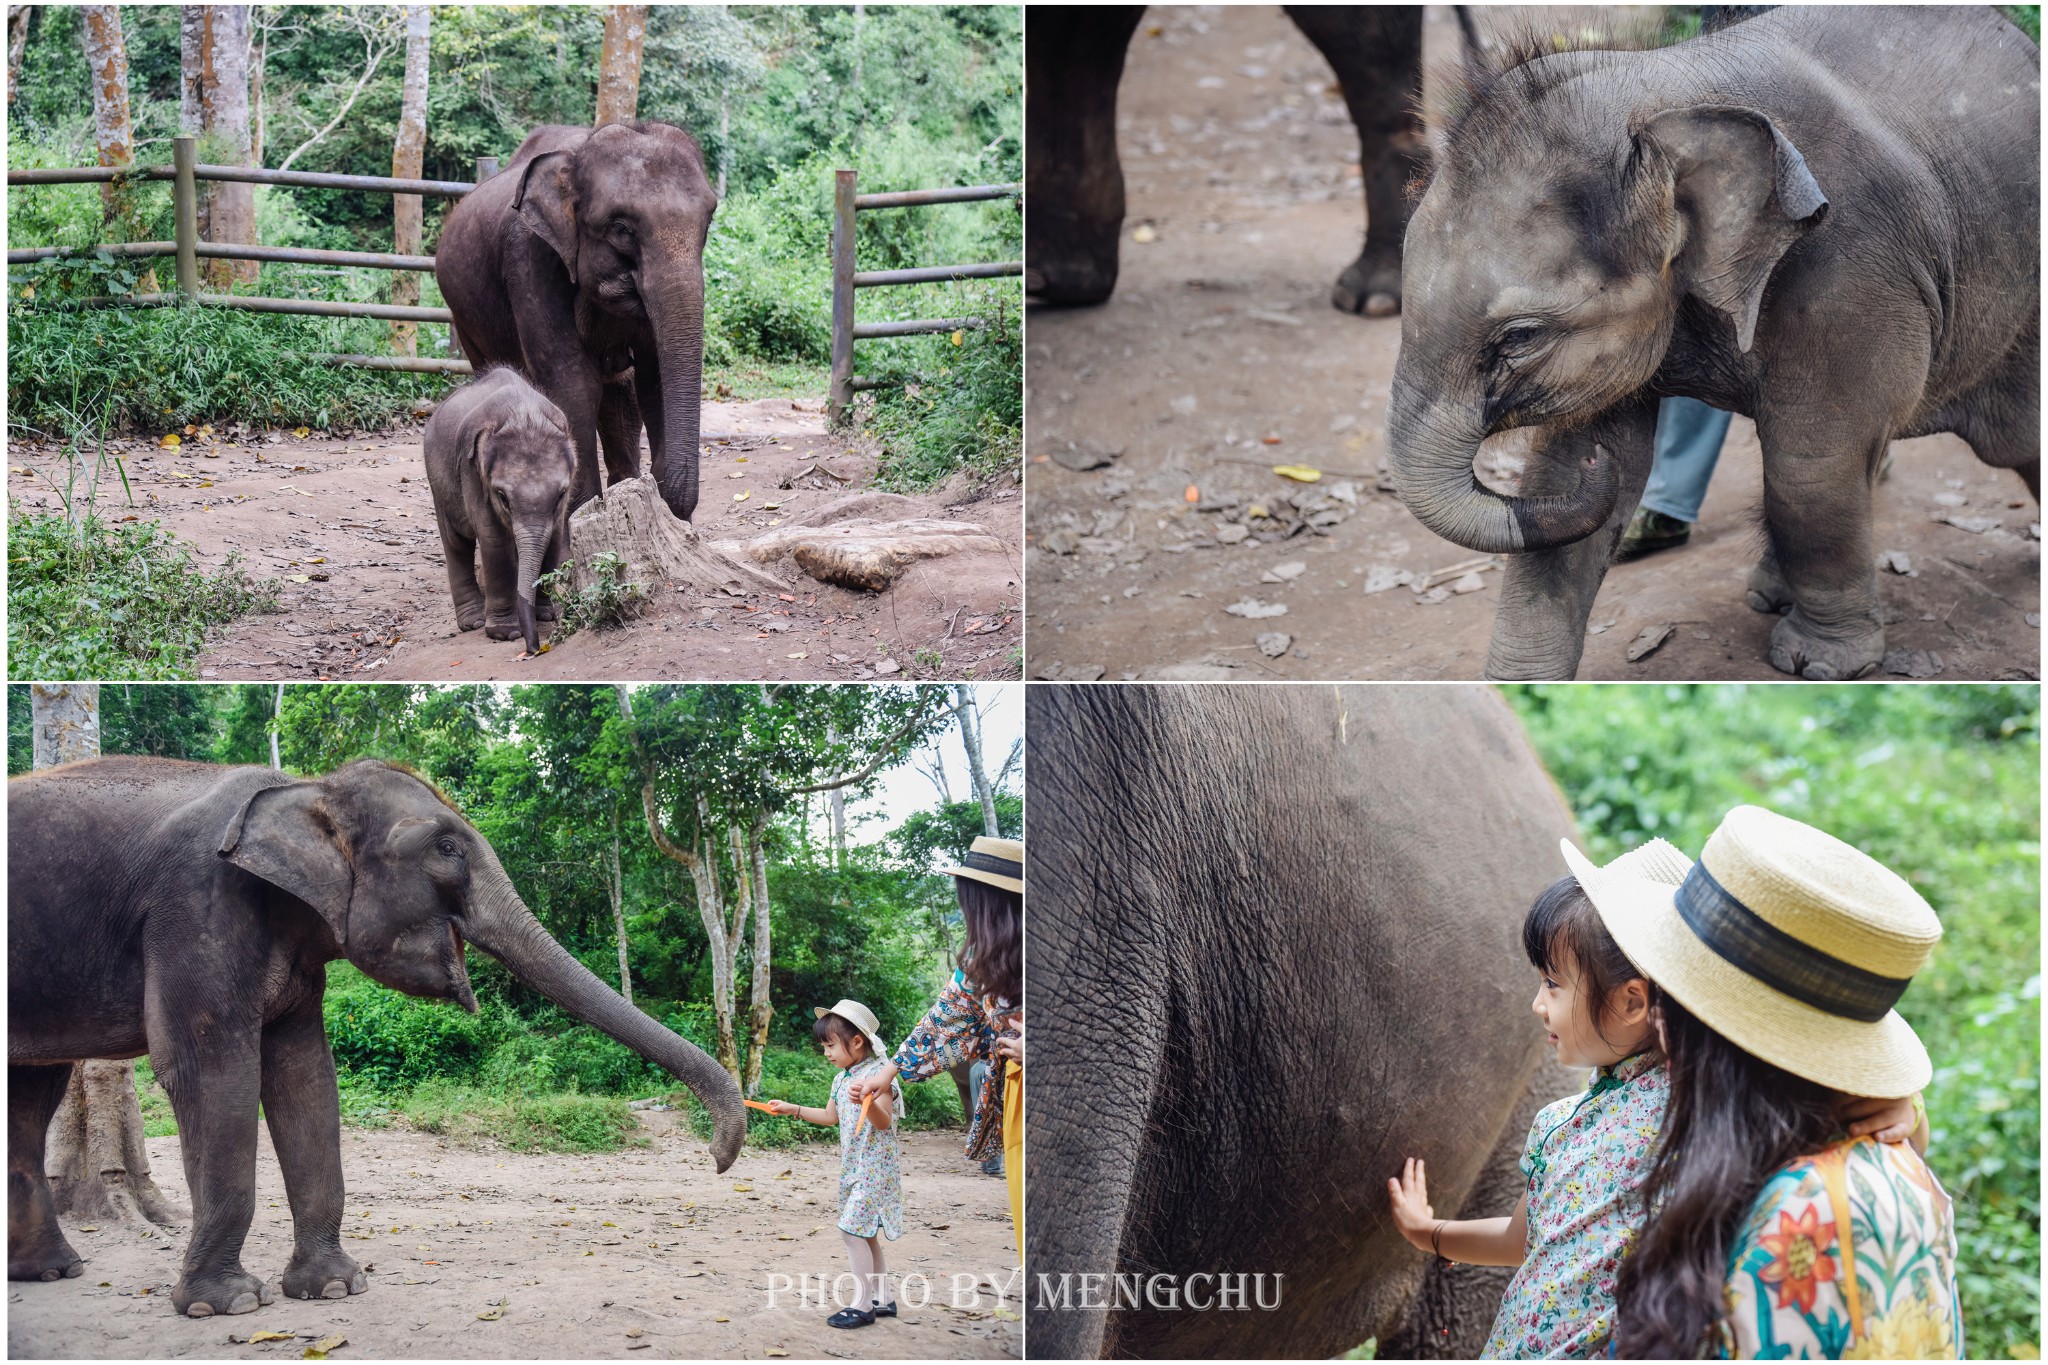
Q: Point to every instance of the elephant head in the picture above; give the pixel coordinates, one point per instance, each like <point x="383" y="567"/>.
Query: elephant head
<point x="627" y="207"/>
<point x="403" y="881"/>
<point x="527" y="463"/>
<point x="1544" y="275"/>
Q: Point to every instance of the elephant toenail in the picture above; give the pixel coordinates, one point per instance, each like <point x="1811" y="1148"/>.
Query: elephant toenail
<point x="1382" y="306"/>
<point x="335" y="1290"/>
<point x="360" y="1284"/>
<point x="266" y="1293"/>
<point x="199" y="1310"/>
<point x="49" y="1275"/>
<point x="244" y="1303"/>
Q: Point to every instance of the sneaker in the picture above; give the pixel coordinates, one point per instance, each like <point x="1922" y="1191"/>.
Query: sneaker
<point x="993" y="1166"/>
<point x="851" y="1317"/>
<point x="1650" y="532"/>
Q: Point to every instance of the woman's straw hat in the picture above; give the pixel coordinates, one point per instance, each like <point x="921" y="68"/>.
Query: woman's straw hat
<point x="1785" y="941"/>
<point x="999" y="862"/>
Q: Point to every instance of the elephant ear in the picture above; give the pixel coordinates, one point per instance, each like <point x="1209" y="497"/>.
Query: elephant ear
<point x="286" y="836"/>
<point x="1746" y="196"/>
<point x="546" y="203"/>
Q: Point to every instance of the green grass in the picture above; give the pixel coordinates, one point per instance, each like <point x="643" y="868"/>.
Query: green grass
<point x="114" y="601"/>
<point x="959" y="404"/>
<point x="744" y="381"/>
<point x="157" y="1119"/>
<point x="1941" y="784"/>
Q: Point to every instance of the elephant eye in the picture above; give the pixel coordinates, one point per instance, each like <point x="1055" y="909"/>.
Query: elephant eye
<point x="450" y="848"/>
<point x="1519" y="337"/>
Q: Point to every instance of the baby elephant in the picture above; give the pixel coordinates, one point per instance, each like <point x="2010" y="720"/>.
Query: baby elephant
<point x="500" y="462"/>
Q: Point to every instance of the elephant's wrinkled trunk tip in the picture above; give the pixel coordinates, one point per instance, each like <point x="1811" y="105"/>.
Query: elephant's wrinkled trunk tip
<point x="529" y="625"/>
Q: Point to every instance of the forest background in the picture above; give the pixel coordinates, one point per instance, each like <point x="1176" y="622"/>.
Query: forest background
<point x="812" y="895"/>
<point x="1943" y="785"/>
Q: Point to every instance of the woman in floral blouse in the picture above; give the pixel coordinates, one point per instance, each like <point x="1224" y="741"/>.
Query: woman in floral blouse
<point x="1776" y="963"/>
<point x="979" y="1016"/>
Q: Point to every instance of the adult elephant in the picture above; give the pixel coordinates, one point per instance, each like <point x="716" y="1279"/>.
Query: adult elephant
<point x="1074" y="182"/>
<point x="188" y="911"/>
<point x="1826" y="219"/>
<point x="582" y="265"/>
<point x="1276" y="947"/>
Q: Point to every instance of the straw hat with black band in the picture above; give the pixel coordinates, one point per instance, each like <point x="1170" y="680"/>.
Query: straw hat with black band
<point x="1785" y="941"/>
<point x="863" y="1018"/>
<point x="999" y="862"/>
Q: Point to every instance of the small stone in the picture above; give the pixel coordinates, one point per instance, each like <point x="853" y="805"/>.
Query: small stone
<point x="1273" y="644"/>
<point x="1252" y="609"/>
<point x="1950" y="500"/>
<point x="1060" y="542"/>
<point x="1471" y="582"/>
<point x="1896" y="561"/>
<point x="1285" y="573"/>
<point x="1435" y="595"/>
<point x="1381" y="577"/>
<point x="1184" y="405"/>
<point x="1649" y="641"/>
<point x="1976" y="526"/>
<point x="1081" y="459"/>
<point x="888" y="666"/>
<point x="1913" y="663"/>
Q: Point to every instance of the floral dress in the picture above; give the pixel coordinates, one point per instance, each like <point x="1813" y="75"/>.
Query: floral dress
<point x="1801" y="1286"/>
<point x="963" y="1027"/>
<point x="870" y="1164"/>
<point x="1586" y="1157"/>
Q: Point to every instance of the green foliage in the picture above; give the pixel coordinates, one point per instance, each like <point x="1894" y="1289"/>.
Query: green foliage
<point x="2026" y="18"/>
<point x="526" y="1123"/>
<point x="157" y="1118"/>
<point x="392" y="1041"/>
<point x="606" y="604"/>
<point x="958" y="405"/>
<point x="93" y="599"/>
<point x="1941" y="784"/>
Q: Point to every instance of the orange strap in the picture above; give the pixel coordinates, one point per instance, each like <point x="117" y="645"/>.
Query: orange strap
<point x="1833" y="1167"/>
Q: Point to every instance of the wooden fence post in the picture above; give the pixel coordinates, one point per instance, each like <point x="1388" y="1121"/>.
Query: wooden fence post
<point x="841" y="392"/>
<point x="185" y="202"/>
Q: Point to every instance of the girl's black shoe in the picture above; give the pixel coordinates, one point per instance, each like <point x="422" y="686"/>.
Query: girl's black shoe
<point x="851" y="1317"/>
<point x="884" y="1310"/>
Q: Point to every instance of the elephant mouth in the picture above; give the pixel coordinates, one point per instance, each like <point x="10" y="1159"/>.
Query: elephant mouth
<point x="458" y="971"/>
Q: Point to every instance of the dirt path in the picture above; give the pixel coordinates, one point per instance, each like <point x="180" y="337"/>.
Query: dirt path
<point x="586" y="1257"/>
<point x="1239" y="158"/>
<point x="358" y="512"/>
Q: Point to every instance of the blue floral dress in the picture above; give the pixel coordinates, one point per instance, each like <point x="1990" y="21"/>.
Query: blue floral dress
<point x="870" y="1164"/>
<point x="1586" y="1157"/>
<point x="1792" y="1294"/>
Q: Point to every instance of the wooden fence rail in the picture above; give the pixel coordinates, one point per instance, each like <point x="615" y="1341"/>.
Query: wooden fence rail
<point x="846" y="202"/>
<point x="185" y="172"/>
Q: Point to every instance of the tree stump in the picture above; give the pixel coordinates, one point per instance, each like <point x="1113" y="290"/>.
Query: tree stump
<point x="95" y="1157"/>
<point x="842" y="543"/>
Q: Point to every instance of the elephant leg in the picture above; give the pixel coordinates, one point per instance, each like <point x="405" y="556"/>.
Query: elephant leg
<point x="1074" y="182"/>
<point x="36" y="1249"/>
<point x="1376" y="53"/>
<point x="1768" y="591"/>
<point x="498" y="567"/>
<point x="618" y="432"/>
<point x="2001" y="418"/>
<point x="1545" y="597"/>
<point x="576" y="391"/>
<point x="212" y="1082"/>
<point x="459" y="551"/>
<point x="303" y="1108"/>
<point x="1817" y="510"/>
<point x="652" y="411"/>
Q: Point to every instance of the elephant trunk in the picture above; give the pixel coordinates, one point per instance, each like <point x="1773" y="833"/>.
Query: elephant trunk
<point x="533" y="543"/>
<point x="498" y="922"/>
<point x="675" y="310"/>
<point x="1432" y="445"/>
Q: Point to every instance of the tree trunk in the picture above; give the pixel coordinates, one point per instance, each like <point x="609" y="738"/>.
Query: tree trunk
<point x="408" y="158"/>
<point x="618" y="74"/>
<point x="214" y="99"/>
<point x="106" y="55"/>
<point x="95" y="1157"/>
<point x="259" y="62"/>
<point x="276" y="725"/>
<point x="761" y="1011"/>
<point x="618" y="891"/>
<point x="977" y="771"/>
<point x="17" y="44"/>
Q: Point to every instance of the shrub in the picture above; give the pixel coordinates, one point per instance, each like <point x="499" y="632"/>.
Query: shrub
<point x="607" y="603"/>
<point x="92" y="599"/>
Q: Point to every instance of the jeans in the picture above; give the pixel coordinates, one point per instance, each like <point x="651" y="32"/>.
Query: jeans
<point x="1689" y="437"/>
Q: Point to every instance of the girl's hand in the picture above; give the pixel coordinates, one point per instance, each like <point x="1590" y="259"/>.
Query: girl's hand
<point x="1013" y="1048"/>
<point x="868" y="1085"/>
<point x="783" y="1107"/>
<point x="1410" y="1197"/>
<point x="1885" y="1120"/>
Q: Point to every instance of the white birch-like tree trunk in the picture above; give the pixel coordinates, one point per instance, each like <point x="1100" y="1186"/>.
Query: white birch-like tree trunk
<point x="106" y="55"/>
<point x="618" y="71"/>
<point x="408" y="160"/>
<point x="977" y="771"/>
<point x="760" y="1011"/>
<point x="213" y="102"/>
<point x="618" y="892"/>
<point x="94" y="1155"/>
<point x="17" y="45"/>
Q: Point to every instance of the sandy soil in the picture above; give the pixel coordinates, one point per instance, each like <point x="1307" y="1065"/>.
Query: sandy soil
<point x="358" y="512"/>
<point x="585" y="1257"/>
<point x="1240" y="160"/>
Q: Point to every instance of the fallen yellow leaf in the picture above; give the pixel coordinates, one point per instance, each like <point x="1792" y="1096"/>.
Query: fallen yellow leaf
<point x="301" y="578"/>
<point x="959" y="337"/>
<point x="1144" y="232"/>
<point x="1300" y="473"/>
<point x="742" y="1189"/>
<point x="269" y="1336"/>
<point x="740" y="497"/>
<point x="326" y="1344"/>
<point x="721" y="1319"/>
<point x="797" y="656"/>
<point x="172" y="441"/>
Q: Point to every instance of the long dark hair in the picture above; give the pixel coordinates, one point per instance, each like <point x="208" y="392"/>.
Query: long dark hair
<point x="1733" y="1120"/>
<point x="992" y="958"/>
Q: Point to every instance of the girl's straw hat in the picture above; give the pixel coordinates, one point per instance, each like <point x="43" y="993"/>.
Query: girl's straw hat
<point x="999" y="862"/>
<point x="1785" y="941"/>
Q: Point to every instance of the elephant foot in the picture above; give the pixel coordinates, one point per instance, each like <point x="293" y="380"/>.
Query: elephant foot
<point x="231" y="1292"/>
<point x="507" y="629"/>
<point x="1074" y="274"/>
<point x="547" y="611"/>
<point x="1370" y="285"/>
<point x="1768" y="591"/>
<point x="1799" y="649"/>
<point x="51" y="1260"/>
<point x="469" y="620"/>
<point x="324" y="1275"/>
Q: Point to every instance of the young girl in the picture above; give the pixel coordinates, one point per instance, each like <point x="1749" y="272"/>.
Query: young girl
<point x="870" y="1168"/>
<point x="1587" y="1155"/>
